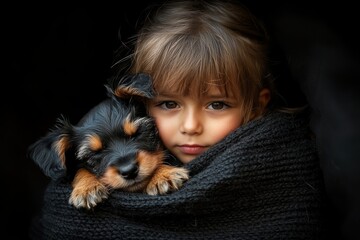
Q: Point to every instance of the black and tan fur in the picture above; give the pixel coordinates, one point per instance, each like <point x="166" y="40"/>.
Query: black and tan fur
<point x="114" y="146"/>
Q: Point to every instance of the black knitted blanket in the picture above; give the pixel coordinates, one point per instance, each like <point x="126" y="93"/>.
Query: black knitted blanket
<point x="261" y="182"/>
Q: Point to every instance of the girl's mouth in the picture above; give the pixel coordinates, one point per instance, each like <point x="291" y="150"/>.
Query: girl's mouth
<point x="192" y="149"/>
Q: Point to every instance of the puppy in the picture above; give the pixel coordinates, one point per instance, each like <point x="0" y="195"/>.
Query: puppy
<point x="114" y="146"/>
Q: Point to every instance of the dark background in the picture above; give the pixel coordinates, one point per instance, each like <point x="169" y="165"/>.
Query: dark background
<point x="58" y="57"/>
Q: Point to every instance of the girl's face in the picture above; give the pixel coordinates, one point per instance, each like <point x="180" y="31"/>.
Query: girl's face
<point x="189" y="126"/>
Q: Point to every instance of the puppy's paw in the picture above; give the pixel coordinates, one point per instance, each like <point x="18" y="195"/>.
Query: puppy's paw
<point x="88" y="191"/>
<point x="167" y="179"/>
<point x="88" y="197"/>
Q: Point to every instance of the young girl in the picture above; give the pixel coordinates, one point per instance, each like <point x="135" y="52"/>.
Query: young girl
<point x="254" y="171"/>
<point x="208" y="64"/>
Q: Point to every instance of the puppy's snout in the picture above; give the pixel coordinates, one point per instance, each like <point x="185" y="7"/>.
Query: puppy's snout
<point x="129" y="171"/>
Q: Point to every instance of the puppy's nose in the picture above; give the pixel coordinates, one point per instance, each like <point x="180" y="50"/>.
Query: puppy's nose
<point x="129" y="171"/>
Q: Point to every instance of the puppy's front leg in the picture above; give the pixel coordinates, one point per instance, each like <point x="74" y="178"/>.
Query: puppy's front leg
<point x="88" y="191"/>
<point x="166" y="179"/>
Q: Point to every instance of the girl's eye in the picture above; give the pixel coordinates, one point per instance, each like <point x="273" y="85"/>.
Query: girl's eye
<point x="168" y="105"/>
<point x="217" y="106"/>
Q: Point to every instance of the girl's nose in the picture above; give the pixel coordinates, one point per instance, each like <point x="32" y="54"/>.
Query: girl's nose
<point x="191" y="123"/>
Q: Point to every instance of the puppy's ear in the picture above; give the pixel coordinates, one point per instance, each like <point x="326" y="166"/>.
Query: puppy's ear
<point x="49" y="151"/>
<point x="137" y="85"/>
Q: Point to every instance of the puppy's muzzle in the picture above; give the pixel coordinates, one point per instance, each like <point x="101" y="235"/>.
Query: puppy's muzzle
<point x="127" y="165"/>
<point x="129" y="170"/>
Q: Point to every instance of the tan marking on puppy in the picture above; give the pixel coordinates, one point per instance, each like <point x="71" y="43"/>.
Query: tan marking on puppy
<point x="130" y="128"/>
<point x="92" y="142"/>
<point x="60" y="147"/>
<point x="149" y="161"/>
<point x="113" y="179"/>
<point x="88" y="191"/>
<point x="95" y="143"/>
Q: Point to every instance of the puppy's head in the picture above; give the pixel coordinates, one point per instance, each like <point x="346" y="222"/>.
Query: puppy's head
<point x="116" y="140"/>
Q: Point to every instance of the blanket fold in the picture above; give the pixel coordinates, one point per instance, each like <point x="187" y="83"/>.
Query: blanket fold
<point x="262" y="181"/>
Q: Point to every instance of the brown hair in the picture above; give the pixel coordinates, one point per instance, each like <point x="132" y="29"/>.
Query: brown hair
<point x="189" y="46"/>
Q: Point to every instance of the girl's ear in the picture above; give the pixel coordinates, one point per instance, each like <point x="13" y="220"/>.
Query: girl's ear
<point x="264" y="98"/>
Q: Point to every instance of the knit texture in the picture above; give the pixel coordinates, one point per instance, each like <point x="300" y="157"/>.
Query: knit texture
<point x="262" y="181"/>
